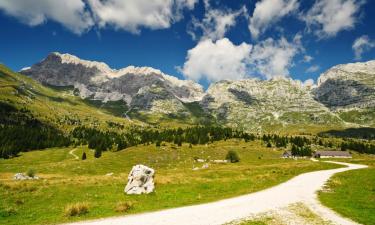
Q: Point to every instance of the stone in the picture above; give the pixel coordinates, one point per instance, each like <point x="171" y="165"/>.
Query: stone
<point x="109" y="174"/>
<point x="205" y="166"/>
<point x="200" y="160"/>
<point x="22" y="176"/>
<point x="140" y="180"/>
<point x="219" y="161"/>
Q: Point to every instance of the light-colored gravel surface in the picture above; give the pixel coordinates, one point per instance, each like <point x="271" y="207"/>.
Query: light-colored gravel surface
<point x="71" y="152"/>
<point x="301" y="188"/>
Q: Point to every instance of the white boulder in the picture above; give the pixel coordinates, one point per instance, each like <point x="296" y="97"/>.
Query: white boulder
<point x="140" y="180"/>
<point x="22" y="176"/>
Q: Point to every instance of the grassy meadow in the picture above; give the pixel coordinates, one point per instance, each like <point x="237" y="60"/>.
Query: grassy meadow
<point x="352" y="193"/>
<point x="66" y="181"/>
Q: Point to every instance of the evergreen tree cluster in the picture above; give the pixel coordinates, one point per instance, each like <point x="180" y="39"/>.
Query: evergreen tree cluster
<point x="103" y="141"/>
<point x="358" y="146"/>
<point x="20" y="131"/>
<point x="283" y="141"/>
<point x="301" y="150"/>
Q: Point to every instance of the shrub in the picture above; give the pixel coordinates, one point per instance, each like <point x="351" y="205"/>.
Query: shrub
<point x="8" y="212"/>
<point x="232" y="156"/>
<point x="124" y="206"/>
<point x="30" y="172"/>
<point x="83" y="155"/>
<point x="98" y="153"/>
<point x="76" y="209"/>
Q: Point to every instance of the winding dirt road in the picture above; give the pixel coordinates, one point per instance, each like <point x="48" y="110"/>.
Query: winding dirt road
<point x="301" y="188"/>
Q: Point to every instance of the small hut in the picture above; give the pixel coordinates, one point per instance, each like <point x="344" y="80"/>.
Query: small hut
<point x="332" y="154"/>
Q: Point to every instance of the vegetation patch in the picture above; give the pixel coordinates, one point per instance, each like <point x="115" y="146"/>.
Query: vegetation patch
<point x="76" y="209"/>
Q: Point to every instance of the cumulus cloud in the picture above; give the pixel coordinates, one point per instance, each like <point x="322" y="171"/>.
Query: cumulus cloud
<point x="268" y="12"/>
<point x="329" y="17"/>
<point x="80" y="15"/>
<point x="216" y="61"/>
<point x="313" y="69"/>
<point x="273" y="58"/>
<point x="72" y="14"/>
<point x="216" y="22"/>
<point x="307" y="58"/>
<point x="361" y="45"/>
<point x="223" y="60"/>
<point x="130" y="15"/>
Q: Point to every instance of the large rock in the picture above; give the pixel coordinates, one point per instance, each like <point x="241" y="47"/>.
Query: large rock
<point x="140" y="180"/>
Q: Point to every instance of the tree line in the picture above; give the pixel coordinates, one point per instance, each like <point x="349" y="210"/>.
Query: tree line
<point x="20" y="131"/>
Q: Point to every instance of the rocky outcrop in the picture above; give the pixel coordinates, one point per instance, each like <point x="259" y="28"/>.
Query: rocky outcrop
<point x="140" y="180"/>
<point x="138" y="87"/>
<point x="253" y="104"/>
<point x="347" y="86"/>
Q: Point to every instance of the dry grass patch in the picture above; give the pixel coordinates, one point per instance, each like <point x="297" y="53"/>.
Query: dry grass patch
<point x="76" y="209"/>
<point x="124" y="206"/>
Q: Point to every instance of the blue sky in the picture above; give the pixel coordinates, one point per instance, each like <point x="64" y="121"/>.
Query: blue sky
<point x="205" y="41"/>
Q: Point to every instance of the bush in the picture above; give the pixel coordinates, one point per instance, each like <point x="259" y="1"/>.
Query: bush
<point x="98" y="153"/>
<point x="124" y="206"/>
<point x="232" y="156"/>
<point x="76" y="209"/>
<point x="83" y="155"/>
<point x="30" y="173"/>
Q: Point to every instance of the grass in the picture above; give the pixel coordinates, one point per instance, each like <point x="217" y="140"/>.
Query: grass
<point x="65" y="180"/>
<point x="352" y="193"/>
<point x="76" y="209"/>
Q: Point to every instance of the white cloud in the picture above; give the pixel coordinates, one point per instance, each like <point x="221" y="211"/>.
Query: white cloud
<point x="361" y="45"/>
<point x="273" y="58"/>
<point x="267" y="12"/>
<point x="307" y="58"/>
<point x="131" y="15"/>
<point x="70" y="13"/>
<point x="75" y="15"/>
<point x="313" y="69"/>
<point x="216" y="61"/>
<point x="328" y="17"/>
<point x="216" y="22"/>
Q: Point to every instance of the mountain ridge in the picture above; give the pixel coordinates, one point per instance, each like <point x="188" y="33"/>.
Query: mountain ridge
<point x="248" y="103"/>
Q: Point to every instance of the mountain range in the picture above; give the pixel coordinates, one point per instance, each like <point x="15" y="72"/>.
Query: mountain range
<point x="344" y="96"/>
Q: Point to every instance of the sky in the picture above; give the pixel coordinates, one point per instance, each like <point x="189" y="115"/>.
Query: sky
<point x="201" y="40"/>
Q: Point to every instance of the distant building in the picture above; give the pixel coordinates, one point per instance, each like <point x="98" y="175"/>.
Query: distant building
<point x="332" y="154"/>
<point x="287" y="154"/>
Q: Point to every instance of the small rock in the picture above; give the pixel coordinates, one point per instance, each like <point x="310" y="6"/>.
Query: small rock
<point x="220" y="161"/>
<point x="140" y="180"/>
<point x="205" y="166"/>
<point x="109" y="174"/>
<point x="200" y="160"/>
<point x="195" y="168"/>
<point x="22" y="176"/>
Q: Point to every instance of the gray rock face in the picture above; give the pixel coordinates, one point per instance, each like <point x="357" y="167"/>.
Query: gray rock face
<point x="347" y="86"/>
<point x="253" y="104"/>
<point x="140" y="180"/>
<point x="139" y="87"/>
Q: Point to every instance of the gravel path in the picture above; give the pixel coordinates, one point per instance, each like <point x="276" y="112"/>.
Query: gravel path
<point x="301" y="188"/>
<point x="72" y="153"/>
